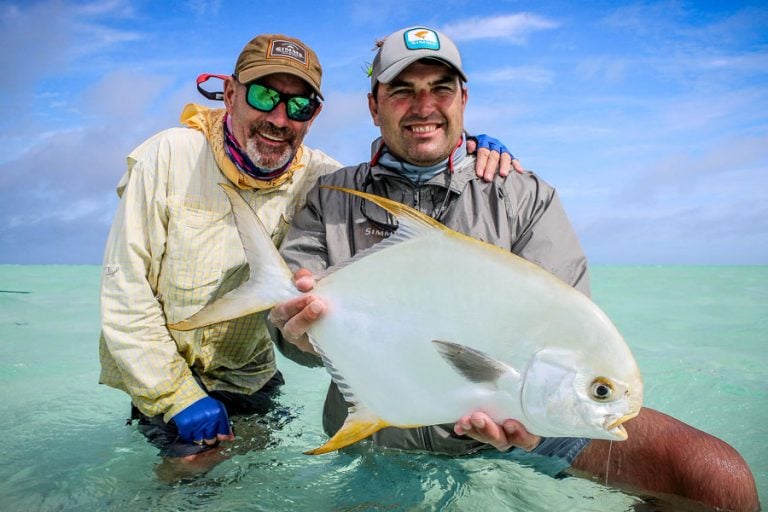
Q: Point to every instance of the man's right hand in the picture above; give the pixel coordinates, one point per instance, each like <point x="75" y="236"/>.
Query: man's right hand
<point x="481" y="427"/>
<point x="204" y="422"/>
<point x="293" y="317"/>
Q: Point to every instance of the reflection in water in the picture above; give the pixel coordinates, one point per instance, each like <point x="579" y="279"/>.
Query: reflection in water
<point x="252" y="433"/>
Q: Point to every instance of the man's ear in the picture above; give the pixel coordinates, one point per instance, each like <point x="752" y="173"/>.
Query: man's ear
<point x="373" y="107"/>
<point x="314" y="116"/>
<point x="230" y="89"/>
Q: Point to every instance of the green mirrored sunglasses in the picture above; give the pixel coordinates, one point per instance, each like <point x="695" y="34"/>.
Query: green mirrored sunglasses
<point x="266" y="99"/>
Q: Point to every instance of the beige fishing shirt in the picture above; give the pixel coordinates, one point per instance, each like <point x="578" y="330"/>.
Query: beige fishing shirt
<point x="173" y="248"/>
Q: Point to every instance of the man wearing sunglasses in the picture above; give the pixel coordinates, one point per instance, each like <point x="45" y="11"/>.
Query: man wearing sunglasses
<point x="418" y="95"/>
<point x="173" y="247"/>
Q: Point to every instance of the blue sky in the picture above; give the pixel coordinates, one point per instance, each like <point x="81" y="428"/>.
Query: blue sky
<point x="650" y="118"/>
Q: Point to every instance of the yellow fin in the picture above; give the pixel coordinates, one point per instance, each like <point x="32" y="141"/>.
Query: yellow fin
<point x="418" y="222"/>
<point x="356" y="428"/>
<point x="397" y="209"/>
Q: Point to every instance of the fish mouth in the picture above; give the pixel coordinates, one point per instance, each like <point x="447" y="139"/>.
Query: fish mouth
<point x="616" y="428"/>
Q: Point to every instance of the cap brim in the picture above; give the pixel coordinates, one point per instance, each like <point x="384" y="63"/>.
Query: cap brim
<point x="395" y="69"/>
<point x="250" y="75"/>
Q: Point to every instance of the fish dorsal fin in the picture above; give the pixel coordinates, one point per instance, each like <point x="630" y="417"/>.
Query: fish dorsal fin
<point x="270" y="281"/>
<point x="412" y="224"/>
<point x="475" y="366"/>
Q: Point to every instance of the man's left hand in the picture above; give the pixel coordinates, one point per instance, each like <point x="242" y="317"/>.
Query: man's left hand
<point x="481" y="427"/>
<point x="493" y="157"/>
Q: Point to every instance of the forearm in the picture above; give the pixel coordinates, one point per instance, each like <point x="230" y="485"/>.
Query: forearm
<point x="134" y="328"/>
<point x="151" y="370"/>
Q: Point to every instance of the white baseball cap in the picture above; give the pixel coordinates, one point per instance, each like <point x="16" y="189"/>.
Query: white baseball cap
<point x="404" y="47"/>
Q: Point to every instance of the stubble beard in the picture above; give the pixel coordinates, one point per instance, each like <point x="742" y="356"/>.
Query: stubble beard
<point x="267" y="156"/>
<point x="423" y="153"/>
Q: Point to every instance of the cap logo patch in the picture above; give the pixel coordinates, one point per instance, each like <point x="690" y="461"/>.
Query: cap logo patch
<point x="421" y="39"/>
<point x="280" y="48"/>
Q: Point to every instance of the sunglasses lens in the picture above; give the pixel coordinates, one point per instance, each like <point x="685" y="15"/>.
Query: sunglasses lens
<point x="300" y="108"/>
<point x="262" y="98"/>
<point x="297" y="108"/>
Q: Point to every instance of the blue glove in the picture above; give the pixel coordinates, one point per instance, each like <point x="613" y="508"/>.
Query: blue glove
<point x="204" y="419"/>
<point x="487" y="142"/>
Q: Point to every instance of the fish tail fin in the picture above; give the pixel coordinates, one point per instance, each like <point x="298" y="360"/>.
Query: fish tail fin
<point x="270" y="280"/>
<point x="356" y="427"/>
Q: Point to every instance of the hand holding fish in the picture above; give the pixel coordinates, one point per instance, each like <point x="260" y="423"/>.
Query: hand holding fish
<point x="293" y="317"/>
<point x="481" y="427"/>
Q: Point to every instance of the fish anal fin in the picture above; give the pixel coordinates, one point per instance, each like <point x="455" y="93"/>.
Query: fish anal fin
<point x="474" y="365"/>
<point x="356" y="428"/>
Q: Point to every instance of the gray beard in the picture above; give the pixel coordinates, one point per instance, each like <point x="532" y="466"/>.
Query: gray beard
<point x="267" y="161"/>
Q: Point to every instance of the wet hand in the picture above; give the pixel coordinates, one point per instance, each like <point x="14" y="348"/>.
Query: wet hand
<point x="481" y="427"/>
<point x="303" y="280"/>
<point x="293" y="317"/>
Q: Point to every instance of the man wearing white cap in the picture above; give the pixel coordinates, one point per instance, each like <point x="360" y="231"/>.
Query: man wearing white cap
<point x="417" y="98"/>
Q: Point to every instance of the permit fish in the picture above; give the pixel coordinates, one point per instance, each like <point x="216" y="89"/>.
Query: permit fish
<point x="430" y="325"/>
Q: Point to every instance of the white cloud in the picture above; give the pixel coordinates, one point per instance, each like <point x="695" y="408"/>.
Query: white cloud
<point x="603" y="68"/>
<point x="43" y="39"/>
<point x="344" y="128"/>
<point x="514" y="28"/>
<point x="113" y="8"/>
<point x="654" y="133"/>
<point x="123" y="96"/>
<point x="736" y="165"/>
<point x="80" y="209"/>
<point x="202" y="8"/>
<point x="530" y="74"/>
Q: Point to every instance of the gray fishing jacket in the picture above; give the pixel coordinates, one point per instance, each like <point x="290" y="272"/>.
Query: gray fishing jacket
<point x="521" y="213"/>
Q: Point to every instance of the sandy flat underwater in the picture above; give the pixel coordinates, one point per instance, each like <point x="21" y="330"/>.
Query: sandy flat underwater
<point x="700" y="335"/>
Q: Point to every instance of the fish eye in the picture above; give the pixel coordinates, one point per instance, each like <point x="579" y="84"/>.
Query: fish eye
<point x="601" y="389"/>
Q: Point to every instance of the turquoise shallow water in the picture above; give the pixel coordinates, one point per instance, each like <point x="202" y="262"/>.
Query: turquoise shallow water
<point x="699" y="334"/>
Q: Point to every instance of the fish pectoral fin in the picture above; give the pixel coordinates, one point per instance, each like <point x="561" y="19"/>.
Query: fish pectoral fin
<point x="474" y="365"/>
<point x="356" y="428"/>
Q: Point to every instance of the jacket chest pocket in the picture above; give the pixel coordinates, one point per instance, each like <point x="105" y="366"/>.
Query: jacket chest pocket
<point x="202" y="247"/>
